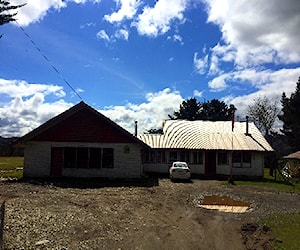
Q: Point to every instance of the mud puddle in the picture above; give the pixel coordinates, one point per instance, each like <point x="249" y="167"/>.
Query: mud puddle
<point x="224" y="204"/>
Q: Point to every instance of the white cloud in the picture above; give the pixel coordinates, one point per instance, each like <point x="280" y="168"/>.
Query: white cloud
<point x="103" y="35"/>
<point x="82" y="26"/>
<point x="218" y="83"/>
<point x="24" y="112"/>
<point x="26" y="107"/>
<point x="17" y="88"/>
<point x="149" y="114"/>
<point x="257" y="32"/>
<point x="35" y="10"/>
<point x="176" y="38"/>
<point x="122" y="34"/>
<point x="200" y="64"/>
<point x="198" y="93"/>
<point x="127" y="10"/>
<point x="158" y="20"/>
<point x="268" y="83"/>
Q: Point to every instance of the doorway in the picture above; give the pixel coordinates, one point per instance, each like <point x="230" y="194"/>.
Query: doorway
<point x="210" y="163"/>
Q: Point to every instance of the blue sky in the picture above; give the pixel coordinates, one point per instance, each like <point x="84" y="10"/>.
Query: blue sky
<point x="138" y="60"/>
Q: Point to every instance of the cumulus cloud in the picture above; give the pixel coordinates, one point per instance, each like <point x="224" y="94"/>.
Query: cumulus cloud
<point x="257" y="32"/>
<point x="149" y="114"/>
<point x="267" y="83"/>
<point x="157" y="20"/>
<point x="19" y="88"/>
<point x="218" y="83"/>
<point x="127" y="9"/>
<point x="35" y="10"/>
<point x="26" y="107"/>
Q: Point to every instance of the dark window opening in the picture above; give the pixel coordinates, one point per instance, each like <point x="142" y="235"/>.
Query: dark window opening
<point x="197" y="157"/>
<point x="95" y="158"/>
<point x="223" y="158"/>
<point x="237" y="157"/>
<point x="88" y="157"/>
<point x="173" y="156"/>
<point x="247" y="157"/>
<point x="69" y="157"/>
<point x="108" y="158"/>
<point x="82" y="157"/>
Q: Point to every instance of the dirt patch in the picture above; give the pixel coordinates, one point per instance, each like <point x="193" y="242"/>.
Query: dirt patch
<point x="163" y="216"/>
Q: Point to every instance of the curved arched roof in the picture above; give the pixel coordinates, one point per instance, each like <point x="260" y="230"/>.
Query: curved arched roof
<point x="217" y="135"/>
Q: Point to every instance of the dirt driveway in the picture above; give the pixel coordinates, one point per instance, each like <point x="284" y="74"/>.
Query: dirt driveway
<point x="165" y="216"/>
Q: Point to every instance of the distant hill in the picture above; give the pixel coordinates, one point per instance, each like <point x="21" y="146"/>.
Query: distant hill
<point x="6" y="148"/>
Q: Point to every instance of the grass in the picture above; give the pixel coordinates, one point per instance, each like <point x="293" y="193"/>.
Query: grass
<point x="11" y="167"/>
<point x="292" y="185"/>
<point x="286" y="229"/>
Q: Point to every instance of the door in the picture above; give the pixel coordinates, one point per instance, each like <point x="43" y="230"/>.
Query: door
<point x="56" y="162"/>
<point x="210" y="163"/>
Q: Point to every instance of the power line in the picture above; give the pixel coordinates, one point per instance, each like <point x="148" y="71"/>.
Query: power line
<point x="48" y="61"/>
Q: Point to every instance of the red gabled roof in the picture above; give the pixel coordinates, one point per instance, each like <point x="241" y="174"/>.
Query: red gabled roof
<point x="80" y="123"/>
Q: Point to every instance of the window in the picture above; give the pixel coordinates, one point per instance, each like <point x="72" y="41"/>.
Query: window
<point x="95" y="158"/>
<point x="173" y="156"/>
<point x="237" y="157"/>
<point x="82" y="157"/>
<point x="108" y="158"/>
<point x="197" y="157"/>
<point x="246" y="157"/>
<point x="185" y="156"/>
<point x="70" y="157"/>
<point x="241" y="159"/>
<point x="223" y="158"/>
<point x="160" y="156"/>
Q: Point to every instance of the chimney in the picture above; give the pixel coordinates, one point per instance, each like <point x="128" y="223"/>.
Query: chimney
<point x="135" y="128"/>
<point x="247" y="125"/>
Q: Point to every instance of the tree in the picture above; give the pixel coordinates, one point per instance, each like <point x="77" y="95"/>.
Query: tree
<point x="216" y="110"/>
<point x="5" y="16"/>
<point x="264" y="112"/>
<point x="157" y="131"/>
<point x="213" y="110"/>
<point x="291" y="118"/>
<point x="188" y="110"/>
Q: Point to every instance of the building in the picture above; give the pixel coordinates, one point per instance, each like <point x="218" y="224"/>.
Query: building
<point x="81" y="142"/>
<point x="211" y="148"/>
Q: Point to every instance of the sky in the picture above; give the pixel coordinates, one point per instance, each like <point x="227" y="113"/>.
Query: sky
<point x="137" y="60"/>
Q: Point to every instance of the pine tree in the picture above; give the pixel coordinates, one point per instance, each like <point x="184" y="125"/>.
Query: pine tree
<point x="5" y="16"/>
<point x="291" y="118"/>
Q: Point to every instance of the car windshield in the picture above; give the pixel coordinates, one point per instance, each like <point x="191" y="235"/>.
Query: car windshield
<point x="180" y="165"/>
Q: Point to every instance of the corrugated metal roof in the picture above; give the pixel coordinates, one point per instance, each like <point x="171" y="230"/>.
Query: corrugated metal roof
<point x="295" y="155"/>
<point x="207" y="135"/>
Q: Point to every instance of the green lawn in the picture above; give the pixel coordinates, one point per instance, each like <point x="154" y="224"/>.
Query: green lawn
<point x="292" y="185"/>
<point x="11" y="167"/>
<point x="285" y="227"/>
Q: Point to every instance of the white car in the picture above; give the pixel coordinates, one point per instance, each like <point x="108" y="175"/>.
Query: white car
<point x="180" y="170"/>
